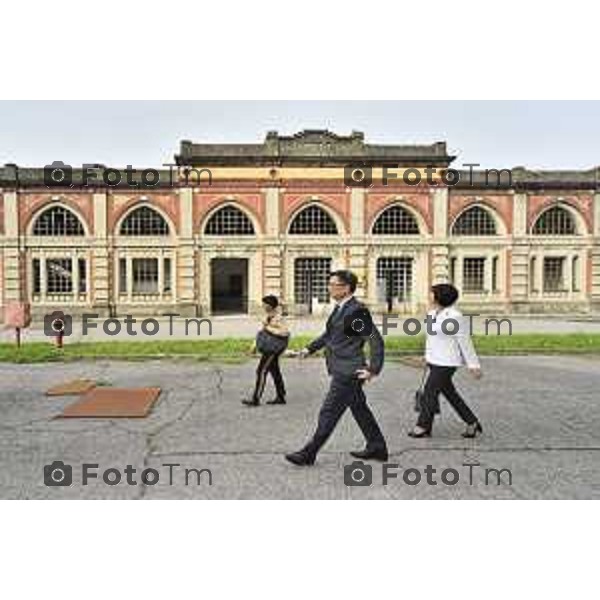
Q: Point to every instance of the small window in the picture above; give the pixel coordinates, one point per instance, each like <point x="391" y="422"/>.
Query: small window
<point x="495" y="274"/>
<point x="122" y="276"/>
<point x="453" y="270"/>
<point x="532" y="274"/>
<point x="82" y="276"/>
<point x="474" y="275"/>
<point x="145" y="275"/>
<point x="37" y="278"/>
<point x="576" y="275"/>
<point x="554" y="274"/>
<point x="59" y="275"/>
<point x="167" y="275"/>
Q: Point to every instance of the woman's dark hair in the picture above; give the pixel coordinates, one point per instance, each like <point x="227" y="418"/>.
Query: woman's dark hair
<point x="271" y="301"/>
<point x="346" y="277"/>
<point x="445" y="294"/>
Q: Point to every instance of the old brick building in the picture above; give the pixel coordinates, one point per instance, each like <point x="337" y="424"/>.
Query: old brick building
<point x="277" y="216"/>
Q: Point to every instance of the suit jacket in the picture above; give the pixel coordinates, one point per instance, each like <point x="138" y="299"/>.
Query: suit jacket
<point x="345" y="354"/>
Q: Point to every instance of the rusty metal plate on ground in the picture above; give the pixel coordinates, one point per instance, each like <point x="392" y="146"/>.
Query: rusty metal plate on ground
<point x="114" y="403"/>
<point x="71" y="388"/>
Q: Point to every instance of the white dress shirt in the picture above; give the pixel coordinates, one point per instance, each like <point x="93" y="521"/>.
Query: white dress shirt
<point x="453" y="349"/>
<point x="341" y="303"/>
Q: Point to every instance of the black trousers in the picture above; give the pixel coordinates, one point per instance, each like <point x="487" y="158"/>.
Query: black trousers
<point x="345" y="393"/>
<point x="439" y="381"/>
<point x="268" y="363"/>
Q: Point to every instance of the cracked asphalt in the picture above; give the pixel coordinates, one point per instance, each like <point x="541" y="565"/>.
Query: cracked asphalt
<point x="541" y="418"/>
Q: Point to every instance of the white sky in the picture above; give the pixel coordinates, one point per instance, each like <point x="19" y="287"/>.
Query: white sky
<point x="535" y="134"/>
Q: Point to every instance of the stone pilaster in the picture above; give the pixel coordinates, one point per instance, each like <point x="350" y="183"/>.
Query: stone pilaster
<point x="100" y="256"/>
<point x="595" y="283"/>
<point x="272" y="256"/>
<point x="185" y="259"/>
<point x="13" y="286"/>
<point x="519" y="280"/>
<point x="357" y="256"/>
<point x="439" y="251"/>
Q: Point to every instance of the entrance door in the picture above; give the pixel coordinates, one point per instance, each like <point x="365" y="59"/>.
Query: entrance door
<point x="394" y="281"/>
<point x="229" y="285"/>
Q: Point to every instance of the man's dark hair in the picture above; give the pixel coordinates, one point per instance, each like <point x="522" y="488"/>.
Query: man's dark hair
<point x="271" y="300"/>
<point x="347" y="277"/>
<point x="445" y="294"/>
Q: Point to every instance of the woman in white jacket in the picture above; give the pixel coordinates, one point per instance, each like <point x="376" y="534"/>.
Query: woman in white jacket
<point x="448" y="347"/>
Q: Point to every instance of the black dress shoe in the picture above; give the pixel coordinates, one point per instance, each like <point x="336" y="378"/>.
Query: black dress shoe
<point x="276" y="401"/>
<point x="422" y="434"/>
<point x="473" y="430"/>
<point x="366" y="454"/>
<point x="250" y="402"/>
<point x="300" y="459"/>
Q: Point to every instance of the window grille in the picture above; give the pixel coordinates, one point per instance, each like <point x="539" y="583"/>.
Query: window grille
<point x="229" y="220"/>
<point x="475" y="221"/>
<point x="313" y="220"/>
<point x="311" y="278"/>
<point x="57" y="221"/>
<point x="396" y="220"/>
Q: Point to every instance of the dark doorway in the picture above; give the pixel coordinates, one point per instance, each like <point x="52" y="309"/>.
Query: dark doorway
<point x="229" y="285"/>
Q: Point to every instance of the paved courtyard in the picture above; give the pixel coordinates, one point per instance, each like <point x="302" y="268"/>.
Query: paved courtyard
<point x="541" y="417"/>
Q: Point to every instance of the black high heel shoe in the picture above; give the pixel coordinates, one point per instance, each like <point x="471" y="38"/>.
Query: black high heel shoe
<point x="422" y="434"/>
<point x="473" y="430"/>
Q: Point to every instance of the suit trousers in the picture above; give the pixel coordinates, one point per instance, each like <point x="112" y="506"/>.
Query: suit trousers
<point x="439" y="381"/>
<point x="345" y="392"/>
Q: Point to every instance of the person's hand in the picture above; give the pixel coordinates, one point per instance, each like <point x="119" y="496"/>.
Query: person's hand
<point x="476" y="372"/>
<point x="253" y="349"/>
<point x="303" y="353"/>
<point x="364" y="375"/>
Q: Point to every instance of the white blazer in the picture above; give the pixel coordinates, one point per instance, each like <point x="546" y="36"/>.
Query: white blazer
<point x="452" y="350"/>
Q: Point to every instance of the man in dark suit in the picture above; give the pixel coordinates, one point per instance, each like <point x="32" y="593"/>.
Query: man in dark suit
<point x="348" y="329"/>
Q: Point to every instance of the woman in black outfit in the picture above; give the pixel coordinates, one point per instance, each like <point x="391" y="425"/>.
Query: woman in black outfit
<point x="444" y="353"/>
<point x="273" y="324"/>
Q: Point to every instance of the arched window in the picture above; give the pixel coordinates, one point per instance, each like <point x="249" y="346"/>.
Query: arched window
<point x="57" y="221"/>
<point x="475" y="221"/>
<point x="396" y="220"/>
<point x="555" y="221"/>
<point x="144" y="221"/>
<point x="313" y="220"/>
<point x="229" y="220"/>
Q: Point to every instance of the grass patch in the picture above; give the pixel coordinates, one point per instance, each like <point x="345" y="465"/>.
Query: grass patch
<point x="235" y="350"/>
